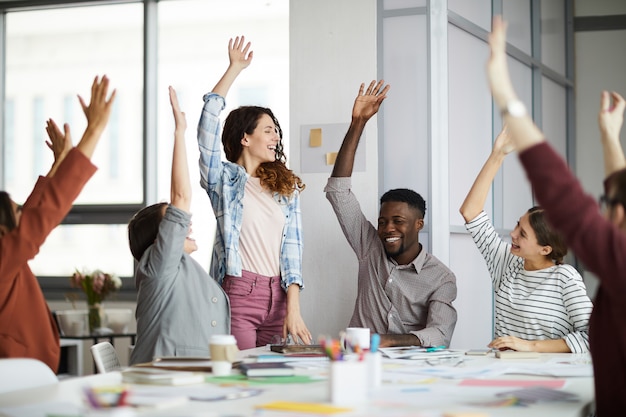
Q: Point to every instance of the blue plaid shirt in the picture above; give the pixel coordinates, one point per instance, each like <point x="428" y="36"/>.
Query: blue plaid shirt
<point x="224" y="182"/>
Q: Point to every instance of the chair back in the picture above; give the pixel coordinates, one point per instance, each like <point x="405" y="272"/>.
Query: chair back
<point x="105" y="357"/>
<point x="23" y="373"/>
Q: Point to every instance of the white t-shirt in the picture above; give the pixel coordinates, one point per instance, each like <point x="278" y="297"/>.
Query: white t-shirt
<point x="261" y="230"/>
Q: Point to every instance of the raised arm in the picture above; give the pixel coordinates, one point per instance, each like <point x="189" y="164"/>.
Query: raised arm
<point x="97" y="113"/>
<point x="475" y="200"/>
<point x="365" y="106"/>
<point x="610" y="120"/>
<point x="180" y="188"/>
<point x="239" y="58"/>
<point x="522" y="129"/>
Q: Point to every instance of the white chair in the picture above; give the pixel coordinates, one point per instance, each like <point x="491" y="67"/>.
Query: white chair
<point x="105" y="357"/>
<point x="23" y="373"/>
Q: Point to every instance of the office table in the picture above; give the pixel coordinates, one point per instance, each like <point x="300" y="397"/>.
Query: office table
<point x="109" y="336"/>
<point x="95" y="337"/>
<point x="415" y="395"/>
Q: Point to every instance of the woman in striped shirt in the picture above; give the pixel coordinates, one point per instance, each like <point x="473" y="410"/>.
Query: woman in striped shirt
<point x="541" y="304"/>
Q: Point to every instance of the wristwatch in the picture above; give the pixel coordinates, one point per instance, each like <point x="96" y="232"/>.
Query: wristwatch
<point x="514" y="108"/>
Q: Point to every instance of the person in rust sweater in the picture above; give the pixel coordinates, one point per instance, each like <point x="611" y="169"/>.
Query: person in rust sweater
<point x="27" y="328"/>
<point x="597" y="237"/>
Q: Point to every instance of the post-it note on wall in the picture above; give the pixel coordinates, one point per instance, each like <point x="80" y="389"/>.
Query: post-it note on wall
<point x="315" y="138"/>
<point x="330" y="158"/>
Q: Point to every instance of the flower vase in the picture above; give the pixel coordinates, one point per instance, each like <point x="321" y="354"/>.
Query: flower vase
<point x="95" y="317"/>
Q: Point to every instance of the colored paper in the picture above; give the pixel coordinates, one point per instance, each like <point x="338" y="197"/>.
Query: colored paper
<point x="330" y="158"/>
<point x="313" y="408"/>
<point x="549" y="383"/>
<point x="243" y="380"/>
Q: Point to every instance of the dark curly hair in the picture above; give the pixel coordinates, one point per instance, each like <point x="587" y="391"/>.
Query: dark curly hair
<point x="274" y="175"/>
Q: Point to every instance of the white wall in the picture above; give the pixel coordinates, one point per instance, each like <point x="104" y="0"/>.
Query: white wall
<point x="333" y="50"/>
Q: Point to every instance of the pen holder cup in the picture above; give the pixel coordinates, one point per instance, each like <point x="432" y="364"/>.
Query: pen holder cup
<point x="374" y="361"/>
<point x="348" y="383"/>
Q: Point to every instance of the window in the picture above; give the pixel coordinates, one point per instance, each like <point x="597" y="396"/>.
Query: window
<point x="53" y="53"/>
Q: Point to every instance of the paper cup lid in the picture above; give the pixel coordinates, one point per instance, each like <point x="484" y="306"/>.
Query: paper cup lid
<point x="223" y="339"/>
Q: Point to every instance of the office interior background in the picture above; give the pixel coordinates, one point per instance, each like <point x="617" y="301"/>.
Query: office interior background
<point x="433" y="132"/>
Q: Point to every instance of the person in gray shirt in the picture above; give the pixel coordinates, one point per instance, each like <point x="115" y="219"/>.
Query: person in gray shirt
<point x="179" y="306"/>
<point x="404" y="294"/>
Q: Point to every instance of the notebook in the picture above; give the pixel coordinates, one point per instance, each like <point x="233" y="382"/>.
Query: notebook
<point x="266" y="369"/>
<point x="160" y="376"/>
<point x="288" y="349"/>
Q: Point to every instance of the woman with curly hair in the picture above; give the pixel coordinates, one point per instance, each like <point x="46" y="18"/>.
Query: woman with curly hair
<point x="257" y="255"/>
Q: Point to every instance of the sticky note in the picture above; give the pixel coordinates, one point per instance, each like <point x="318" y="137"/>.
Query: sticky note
<point x="330" y="158"/>
<point x="314" y="408"/>
<point x="315" y="138"/>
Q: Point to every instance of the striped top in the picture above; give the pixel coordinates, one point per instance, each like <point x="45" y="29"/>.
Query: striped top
<point x="550" y="303"/>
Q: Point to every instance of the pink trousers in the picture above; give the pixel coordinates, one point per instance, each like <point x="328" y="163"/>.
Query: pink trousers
<point x="258" y="307"/>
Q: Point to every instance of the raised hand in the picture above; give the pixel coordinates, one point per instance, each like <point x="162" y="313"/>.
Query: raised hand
<point x="611" y="116"/>
<point x="60" y="143"/>
<point x="97" y="113"/>
<point x="503" y="143"/>
<point x="179" y="117"/>
<point x="180" y="187"/>
<point x="99" y="108"/>
<point x="368" y="101"/>
<point x="239" y="58"/>
<point x="238" y="53"/>
<point x="610" y="120"/>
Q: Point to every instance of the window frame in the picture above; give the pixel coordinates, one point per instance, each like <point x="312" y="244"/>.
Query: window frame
<point x="56" y="287"/>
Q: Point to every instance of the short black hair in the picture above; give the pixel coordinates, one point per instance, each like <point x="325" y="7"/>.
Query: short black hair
<point x="404" y="195"/>
<point x="143" y="228"/>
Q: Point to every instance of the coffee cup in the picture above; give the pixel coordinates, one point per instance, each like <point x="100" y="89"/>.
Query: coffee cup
<point x="223" y="349"/>
<point x="355" y="337"/>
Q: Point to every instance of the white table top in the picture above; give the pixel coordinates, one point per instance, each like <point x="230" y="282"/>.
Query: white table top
<point x="408" y="388"/>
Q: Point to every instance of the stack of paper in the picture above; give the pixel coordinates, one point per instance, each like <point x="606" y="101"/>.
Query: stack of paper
<point x="423" y="353"/>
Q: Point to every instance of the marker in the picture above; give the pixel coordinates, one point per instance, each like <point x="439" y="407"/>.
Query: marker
<point x="434" y="348"/>
<point x="375" y="342"/>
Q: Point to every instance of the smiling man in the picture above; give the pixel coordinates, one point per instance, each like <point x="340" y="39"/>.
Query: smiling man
<point x="404" y="294"/>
